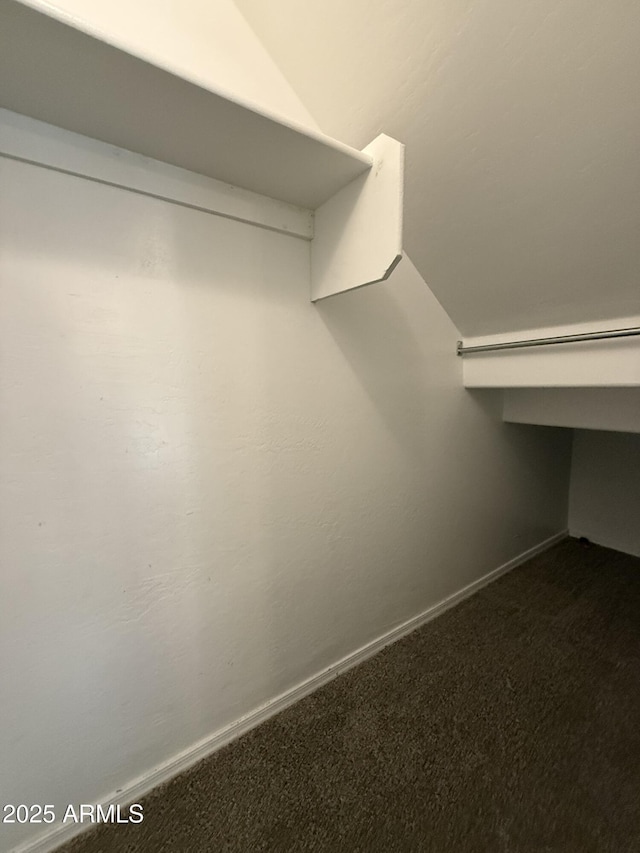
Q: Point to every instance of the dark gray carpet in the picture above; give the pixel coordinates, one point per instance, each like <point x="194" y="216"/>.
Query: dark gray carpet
<point x="511" y="723"/>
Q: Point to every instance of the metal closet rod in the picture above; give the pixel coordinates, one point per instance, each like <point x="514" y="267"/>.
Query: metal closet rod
<point x="543" y="342"/>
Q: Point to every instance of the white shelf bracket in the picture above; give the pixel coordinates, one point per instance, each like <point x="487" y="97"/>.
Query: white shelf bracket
<point x="358" y="231"/>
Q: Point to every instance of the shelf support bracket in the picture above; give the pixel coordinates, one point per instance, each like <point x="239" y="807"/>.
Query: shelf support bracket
<point x="358" y="231"/>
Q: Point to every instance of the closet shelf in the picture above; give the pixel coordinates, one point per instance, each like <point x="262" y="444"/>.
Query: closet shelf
<point x="58" y="70"/>
<point x="52" y="71"/>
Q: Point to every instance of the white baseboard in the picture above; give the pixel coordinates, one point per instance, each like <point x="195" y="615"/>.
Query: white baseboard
<point x="136" y="789"/>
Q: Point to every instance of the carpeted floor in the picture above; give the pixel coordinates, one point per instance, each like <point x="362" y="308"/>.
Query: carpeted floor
<point x="511" y="723"/>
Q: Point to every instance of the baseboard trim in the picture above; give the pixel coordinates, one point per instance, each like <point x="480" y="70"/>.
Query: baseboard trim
<point x="136" y="789"/>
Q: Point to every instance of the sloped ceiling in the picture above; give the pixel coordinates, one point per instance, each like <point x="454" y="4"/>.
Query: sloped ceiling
<point x="522" y="126"/>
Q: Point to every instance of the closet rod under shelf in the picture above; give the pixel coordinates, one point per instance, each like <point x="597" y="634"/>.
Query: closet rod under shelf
<point x="540" y="342"/>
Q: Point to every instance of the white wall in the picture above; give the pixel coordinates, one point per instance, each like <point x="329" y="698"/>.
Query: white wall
<point x="212" y="489"/>
<point x="605" y="489"/>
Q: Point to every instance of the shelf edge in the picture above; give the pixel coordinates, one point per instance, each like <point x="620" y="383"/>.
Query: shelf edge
<point x="81" y="25"/>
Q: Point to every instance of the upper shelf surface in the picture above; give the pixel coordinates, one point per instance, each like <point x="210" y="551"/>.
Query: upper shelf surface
<point x="54" y="72"/>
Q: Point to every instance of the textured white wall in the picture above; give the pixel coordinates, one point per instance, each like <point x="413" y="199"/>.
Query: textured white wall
<point x="210" y="488"/>
<point x="521" y="123"/>
<point x="604" y="501"/>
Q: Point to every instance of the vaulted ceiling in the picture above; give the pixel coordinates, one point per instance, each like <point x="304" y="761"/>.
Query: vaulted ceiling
<point x="522" y="126"/>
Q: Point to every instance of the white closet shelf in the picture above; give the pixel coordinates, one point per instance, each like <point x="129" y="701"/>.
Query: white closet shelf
<point x="53" y="71"/>
<point x="591" y="355"/>
<point x="59" y="71"/>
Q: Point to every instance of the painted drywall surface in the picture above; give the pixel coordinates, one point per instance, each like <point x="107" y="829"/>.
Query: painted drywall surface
<point x="211" y="489"/>
<point x="209" y="42"/>
<point x="521" y="123"/>
<point x="604" y="500"/>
